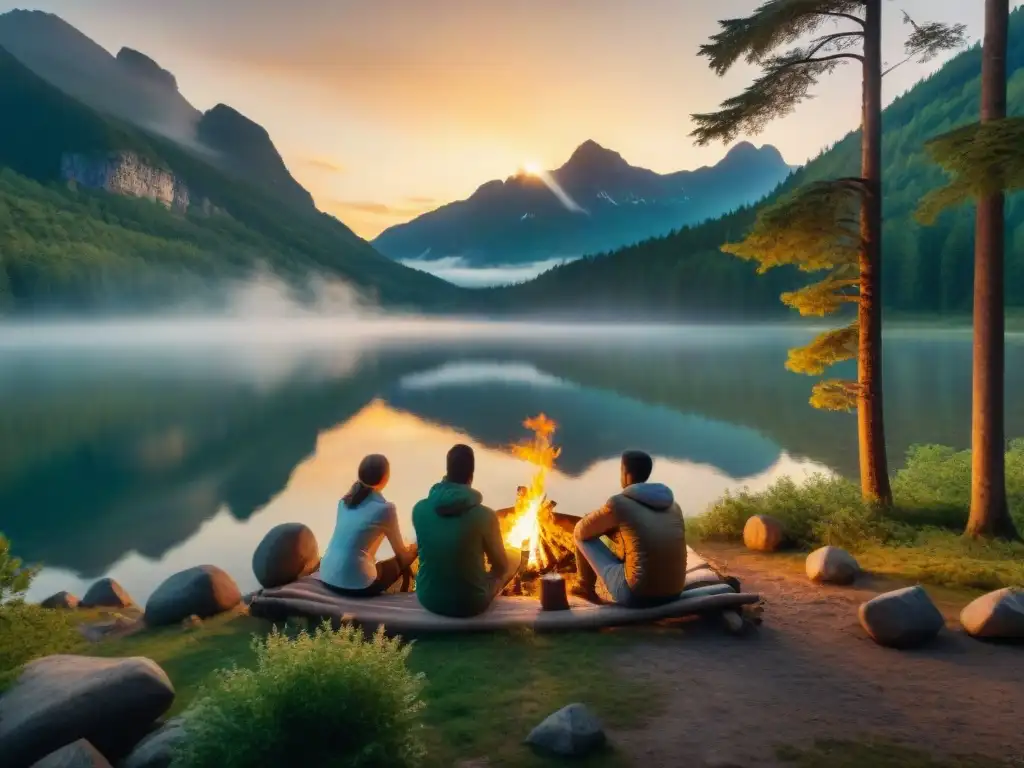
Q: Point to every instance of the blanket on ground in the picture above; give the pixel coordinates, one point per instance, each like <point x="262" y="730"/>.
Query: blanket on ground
<point x="706" y="592"/>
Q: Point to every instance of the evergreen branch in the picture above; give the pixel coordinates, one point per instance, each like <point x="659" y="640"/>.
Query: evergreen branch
<point x="833" y="346"/>
<point x="825" y="297"/>
<point x="773" y="24"/>
<point x="776" y="93"/>
<point x="982" y="159"/>
<point x="812" y="229"/>
<point x="839" y="41"/>
<point x="847" y="16"/>
<point x="894" y="66"/>
<point x="834" y="395"/>
<point x="930" y="39"/>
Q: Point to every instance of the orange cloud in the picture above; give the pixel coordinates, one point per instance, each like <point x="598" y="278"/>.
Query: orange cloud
<point x="342" y="207"/>
<point x="322" y="164"/>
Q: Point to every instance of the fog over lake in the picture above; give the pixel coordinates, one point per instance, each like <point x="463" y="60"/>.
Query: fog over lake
<point x="136" y="448"/>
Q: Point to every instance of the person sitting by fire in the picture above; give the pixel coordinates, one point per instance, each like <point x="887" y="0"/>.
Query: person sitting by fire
<point x="648" y="524"/>
<point x="456" y="532"/>
<point x="365" y="519"/>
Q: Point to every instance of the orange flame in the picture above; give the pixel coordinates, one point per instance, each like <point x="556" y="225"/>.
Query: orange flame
<point x="525" y="530"/>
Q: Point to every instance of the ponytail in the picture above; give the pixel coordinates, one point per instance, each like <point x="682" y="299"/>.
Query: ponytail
<point x="373" y="472"/>
<point x="357" y="494"/>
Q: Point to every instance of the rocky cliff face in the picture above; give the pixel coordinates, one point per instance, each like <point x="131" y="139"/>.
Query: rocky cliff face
<point x="125" y="173"/>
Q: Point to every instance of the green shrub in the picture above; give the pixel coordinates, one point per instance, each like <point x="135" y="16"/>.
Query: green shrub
<point x="27" y="631"/>
<point x="329" y="699"/>
<point x="934" y="488"/>
<point x="15" y="577"/>
<point x="822" y="510"/>
<point x="30" y="632"/>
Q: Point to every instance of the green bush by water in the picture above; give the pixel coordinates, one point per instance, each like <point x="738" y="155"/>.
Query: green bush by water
<point x="330" y="699"/>
<point x="919" y="538"/>
<point x="27" y="631"/>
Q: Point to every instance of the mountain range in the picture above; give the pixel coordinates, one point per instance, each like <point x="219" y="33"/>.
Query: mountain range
<point x="133" y="87"/>
<point x="925" y="269"/>
<point x="79" y="124"/>
<point x="593" y="203"/>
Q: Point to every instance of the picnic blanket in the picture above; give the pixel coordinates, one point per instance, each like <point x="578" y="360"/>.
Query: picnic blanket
<point x="706" y="592"/>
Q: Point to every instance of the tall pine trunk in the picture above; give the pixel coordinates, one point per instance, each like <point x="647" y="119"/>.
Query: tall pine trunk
<point x="990" y="515"/>
<point x="874" y="467"/>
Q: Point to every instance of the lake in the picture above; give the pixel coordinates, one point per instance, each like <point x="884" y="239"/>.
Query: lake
<point x="138" y="449"/>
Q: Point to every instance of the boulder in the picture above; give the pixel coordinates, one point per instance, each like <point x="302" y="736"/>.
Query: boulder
<point x="287" y="553"/>
<point x="106" y="593"/>
<point x="762" y="533"/>
<point x="832" y="565"/>
<point x="570" y="732"/>
<point x="80" y="754"/>
<point x="904" y="618"/>
<point x="58" y="700"/>
<point x="998" y="615"/>
<point x="157" y="749"/>
<point x="62" y="600"/>
<point x="118" y="626"/>
<point x="202" y="591"/>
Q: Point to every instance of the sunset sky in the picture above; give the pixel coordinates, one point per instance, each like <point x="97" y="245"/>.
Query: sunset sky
<point x="384" y="109"/>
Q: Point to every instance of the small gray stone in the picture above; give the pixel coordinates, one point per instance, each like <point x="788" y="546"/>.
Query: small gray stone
<point x="157" y="749"/>
<point x="570" y="732"/>
<point x="62" y="601"/>
<point x="58" y="700"/>
<point x="118" y="626"/>
<point x="998" y="615"/>
<point x="903" y="618"/>
<point x="202" y="591"/>
<point x="287" y="553"/>
<point x="763" y="533"/>
<point x="79" y="754"/>
<point x="106" y="593"/>
<point x="832" y="565"/>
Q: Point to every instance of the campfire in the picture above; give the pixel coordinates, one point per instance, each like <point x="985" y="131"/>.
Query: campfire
<point x="532" y="525"/>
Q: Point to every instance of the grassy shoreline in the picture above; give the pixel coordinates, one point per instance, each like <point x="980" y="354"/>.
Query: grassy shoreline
<point x="482" y="694"/>
<point x="918" y="539"/>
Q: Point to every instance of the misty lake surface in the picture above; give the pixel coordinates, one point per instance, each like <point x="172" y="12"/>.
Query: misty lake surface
<point x="139" y="449"/>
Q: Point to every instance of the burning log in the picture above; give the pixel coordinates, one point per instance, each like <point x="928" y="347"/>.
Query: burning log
<point x="545" y="536"/>
<point x="555" y="544"/>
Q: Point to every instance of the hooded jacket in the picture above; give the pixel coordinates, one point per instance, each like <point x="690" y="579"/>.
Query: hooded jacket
<point x="455" y="531"/>
<point x="650" y="527"/>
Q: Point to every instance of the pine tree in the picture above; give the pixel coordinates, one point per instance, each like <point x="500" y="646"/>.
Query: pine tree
<point x="813" y="229"/>
<point x="986" y="159"/>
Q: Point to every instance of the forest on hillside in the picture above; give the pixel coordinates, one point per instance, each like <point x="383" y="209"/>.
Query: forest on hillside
<point x="76" y="249"/>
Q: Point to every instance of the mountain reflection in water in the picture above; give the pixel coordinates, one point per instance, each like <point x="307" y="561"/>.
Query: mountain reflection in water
<point x="139" y="464"/>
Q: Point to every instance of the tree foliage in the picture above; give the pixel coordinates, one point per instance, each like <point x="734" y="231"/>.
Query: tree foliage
<point x="981" y="158"/>
<point x="15" y="576"/>
<point x="787" y="78"/>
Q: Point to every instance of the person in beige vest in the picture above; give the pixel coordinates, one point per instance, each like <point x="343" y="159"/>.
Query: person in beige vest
<point x="647" y="526"/>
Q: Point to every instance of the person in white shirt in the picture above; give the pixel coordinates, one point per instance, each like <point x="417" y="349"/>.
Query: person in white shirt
<point x="365" y="519"/>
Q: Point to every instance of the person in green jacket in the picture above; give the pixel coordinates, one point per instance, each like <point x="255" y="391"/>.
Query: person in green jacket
<point x="455" y="532"/>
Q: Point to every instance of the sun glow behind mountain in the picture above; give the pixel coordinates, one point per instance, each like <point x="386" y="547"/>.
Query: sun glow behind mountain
<point x="534" y="170"/>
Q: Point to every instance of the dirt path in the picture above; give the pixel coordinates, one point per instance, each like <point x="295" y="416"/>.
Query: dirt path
<point x="810" y="672"/>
